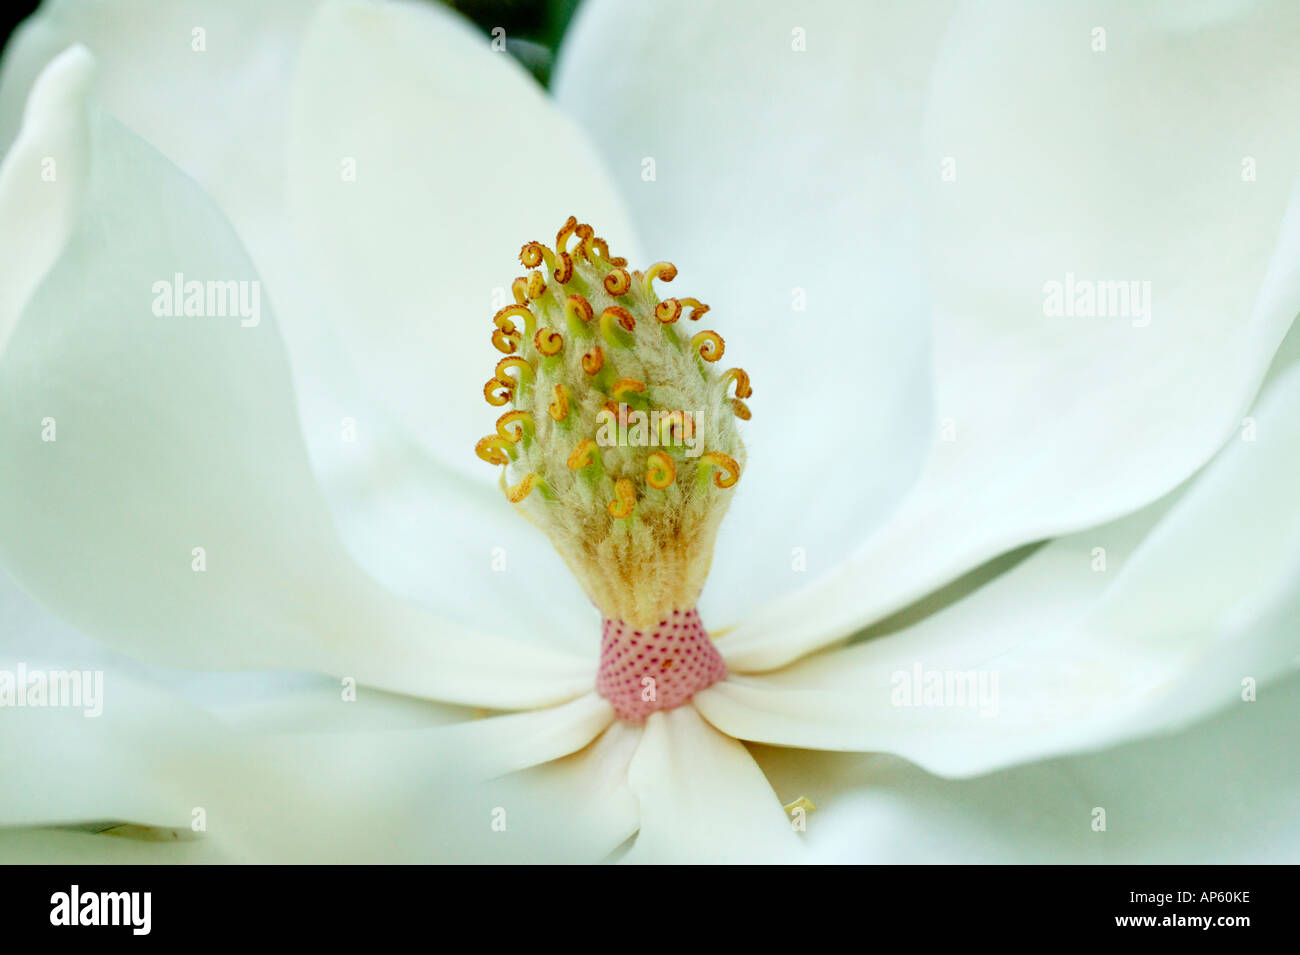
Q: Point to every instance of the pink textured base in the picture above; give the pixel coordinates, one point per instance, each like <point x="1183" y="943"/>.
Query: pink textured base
<point x="646" y="670"/>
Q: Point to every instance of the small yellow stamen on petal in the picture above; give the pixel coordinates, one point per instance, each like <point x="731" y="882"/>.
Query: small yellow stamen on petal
<point x="668" y="311"/>
<point x="517" y="364"/>
<point x="664" y="271"/>
<point x="709" y="344"/>
<point x="741" y="378"/>
<point x="498" y="392"/>
<point x="741" y="409"/>
<point x="625" y="501"/>
<point x="593" y="359"/>
<point x="660" y="470"/>
<point x="548" y="342"/>
<point x="626" y="386"/>
<point x="559" y="408"/>
<point x="523" y="422"/>
<point x="583" y="454"/>
<point x="618" y="282"/>
<point x="522" y="489"/>
<point x="726" y="463"/>
<point x="585" y="235"/>
<point x="615" y="323"/>
<point x="492" y="449"/>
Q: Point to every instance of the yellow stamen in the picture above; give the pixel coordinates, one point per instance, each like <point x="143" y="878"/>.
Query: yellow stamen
<point x="559" y="408"/>
<point x="522" y="489"/>
<point x="534" y="254"/>
<point x="697" y="308"/>
<point x="548" y="342"/>
<point x="726" y="463"/>
<point x="536" y="285"/>
<point x="502" y="319"/>
<point x="593" y="360"/>
<point x="741" y="409"/>
<point x="741" y="378"/>
<point x="660" y="470"/>
<point x="583" y="454"/>
<point x="492" y="449"/>
<point x="626" y="499"/>
<point x="709" y="344"/>
<point x="618" y="282"/>
<point x="520" y="289"/>
<point x="626" y="386"/>
<point x="522" y="420"/>
<point x="515" y="363"/>
<point x="506" y="342"/>
<point x="668" y="311"/>
<point x="498" y="392"/>
<point x="664" y="271"/>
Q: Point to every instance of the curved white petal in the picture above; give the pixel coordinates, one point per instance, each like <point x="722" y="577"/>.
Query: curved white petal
<point x="1221" y="791"/>
<point x="788" y="172"/>
<point x="1168" y="160"/>
<point x="702" y="798"/>
<point x="129" y="440"/>
<point x="1112" y="633"/>
<point x="420" y="162"/>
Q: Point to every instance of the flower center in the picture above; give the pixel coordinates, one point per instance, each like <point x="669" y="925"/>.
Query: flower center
<point x="621" y="443"/>
<point x="657" y="668"/>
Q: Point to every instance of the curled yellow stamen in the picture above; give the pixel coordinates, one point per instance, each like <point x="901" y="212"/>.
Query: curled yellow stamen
<point x="492" y="449"/>
<point x="522" y="420"/>
<point x="709" y="344"/>
<point x="502" y="319"/>
<point x="741" y="409"/>
<point x="741" y="378"/>
<point x="610" y="321"/>
<point x="626" y="498"/>
<point x="520" y="289"/>
<point x="534" y="254"/>
<point x="618" y="282"/>
<point x="697" y="308"/>
<point x="559" y="408"/>
<point x="625" y="386"/>
<point x="668" y="311"/>
<point x="498" y="392"/>
<point x="520" y="365"/>
<point x="583" y="454"/>
<point x="548" y="342"/>
<point x="506" y="342"/>
<point x="566" y="230"/>
<point x="585" y="235"/>
<point x="726" y="463"/>
<point x="522" y="489"/>
<point x="564" y="268"/>
<point x="577" y="307"/>
<point x="660" y="470"/>
<point x="664" y="271"/>
<point x="536" y="285"/>
<point x="593" y="360"/>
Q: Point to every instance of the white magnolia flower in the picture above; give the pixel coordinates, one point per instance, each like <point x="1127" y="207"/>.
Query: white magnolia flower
<point x="905" y="218"/>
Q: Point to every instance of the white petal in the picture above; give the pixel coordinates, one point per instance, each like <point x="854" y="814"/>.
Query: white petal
<point x="129" y="440"/>
<point x="1128" y="165"/>
<point x="1221" y="791"/>
<point x="702" y="798"/>
<point x="786" y="190"/>
<point x="419" y="208"/>
<point x="207" y="86"/>
<point x="1118" y="631"/>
